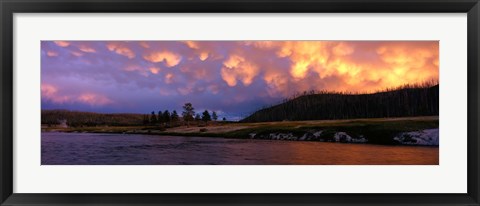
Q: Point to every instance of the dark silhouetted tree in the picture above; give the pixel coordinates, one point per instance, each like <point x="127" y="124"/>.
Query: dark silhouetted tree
<point x="206" y="116"/>
<point x="174" y="116"/>
<point x="214" y="116"/>
<point x="166" y="116"/>
<point x="160" y="117"/>
<point x="188" y="113"/>
<point x="224" y="119"/>
<point x="197" y="117"/>
<point x="153" y="118"/>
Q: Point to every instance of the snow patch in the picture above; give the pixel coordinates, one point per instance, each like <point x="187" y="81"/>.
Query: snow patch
<point x="304" y="137"/>
<point x="282" y="136"/>
<point x="317" y="134"/>
<point x="423" y="137"/>
<point x="344" y="137"/>
<point x="309" y="136"/>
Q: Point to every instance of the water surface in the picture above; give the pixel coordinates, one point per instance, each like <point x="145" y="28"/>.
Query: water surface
<point x="129" y="149"/>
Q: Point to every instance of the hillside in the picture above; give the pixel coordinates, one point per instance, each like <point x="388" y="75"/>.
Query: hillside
<point x="405" y="101"/>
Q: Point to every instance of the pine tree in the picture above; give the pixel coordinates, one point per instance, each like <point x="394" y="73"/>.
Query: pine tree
<point x="214" y="116"/>
<point x="166" y="116"/>
<point x="160" y="117"/>
<point x="188" y="112"/>
<point x="174" y="116"/>
<point x="206" y="116"/>
<point x="153" y="118"/>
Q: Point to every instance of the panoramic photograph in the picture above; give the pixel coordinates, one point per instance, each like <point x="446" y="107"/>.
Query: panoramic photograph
<point x="239" y="102"/>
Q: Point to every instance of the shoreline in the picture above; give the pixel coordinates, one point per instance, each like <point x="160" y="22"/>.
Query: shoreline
<point x="414" y="131"/>
<point x="213" y="137"/>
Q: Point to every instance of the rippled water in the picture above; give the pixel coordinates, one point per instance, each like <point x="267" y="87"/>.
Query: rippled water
<point x="118" y="149"/>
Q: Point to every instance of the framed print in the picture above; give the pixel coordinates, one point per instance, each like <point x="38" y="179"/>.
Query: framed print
<point x="252" y="103"/>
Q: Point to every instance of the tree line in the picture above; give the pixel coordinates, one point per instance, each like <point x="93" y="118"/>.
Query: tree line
<point x="408" y="100"/>
<point x="78" y="119"/>
<point x="165" y="118"/>
<point x="188" y="116"/>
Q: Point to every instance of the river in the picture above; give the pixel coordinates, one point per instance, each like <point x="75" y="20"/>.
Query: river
<point x="130" y="149"/>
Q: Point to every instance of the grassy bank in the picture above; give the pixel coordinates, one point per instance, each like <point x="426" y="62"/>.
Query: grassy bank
<point x="377" y="131"/>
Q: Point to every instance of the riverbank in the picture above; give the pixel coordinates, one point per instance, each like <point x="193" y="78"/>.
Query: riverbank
<point x="386" y="131"/>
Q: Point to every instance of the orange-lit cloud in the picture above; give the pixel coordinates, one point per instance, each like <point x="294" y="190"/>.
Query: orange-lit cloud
<point x="277" y="82"/>
<point x="203" y="56"/>
<point x="87" y="49"/>
<point x="357" y="66"/>
<point x="62" y="43"/>
<point x="263" y="44"/>
<point x="171" y="59"/>
<point x="407" y="64"/>
<point x="237" y="68"/>
<point x="201" y="50"/>
<point x="52" y="53"/>
<point x="144" y="44"/>
<point x="306" y="56"/>
<point x="192" y="44"/>
<point x="94" y="99"/>
<point x="52" y="93"/>
<point x="342" y="49"/>
<point x="77" y="54"/>
<point x="169" y="78"/>
<point x="121" y="49"/>
<point x="154" y="70"/>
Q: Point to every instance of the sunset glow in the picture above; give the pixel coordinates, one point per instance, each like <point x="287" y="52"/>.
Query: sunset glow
<point x="230" y="77"/>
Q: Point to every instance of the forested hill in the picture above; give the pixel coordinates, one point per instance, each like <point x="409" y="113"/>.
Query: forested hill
<point x="401" y="102"/>
<point x="76" y="118"/>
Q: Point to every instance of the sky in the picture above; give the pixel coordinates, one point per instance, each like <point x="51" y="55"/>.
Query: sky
<point x="233" y="78"/>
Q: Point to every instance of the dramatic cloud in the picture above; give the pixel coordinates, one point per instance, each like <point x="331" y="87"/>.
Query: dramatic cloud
<point x="192" y="44"/>
<point x="52" y="93"/>
<point x="62" y="43"/>
<point x="144" y="44"/>
<point x="203" y="56"/>
<point x="236" y="67"/>
<point x="85" y="48"/>
<point x="94" y="99"/>
<point x="154" y="70"/>
<point x="171" y="59"/>
<point x="77" y="54"/>
<point x="231" y="77"/>
<point x="121" y="49"/>
<point x="52" y="54"/>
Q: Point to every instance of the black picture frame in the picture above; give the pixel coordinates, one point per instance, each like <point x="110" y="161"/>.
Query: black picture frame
<point x="10" y="7"/>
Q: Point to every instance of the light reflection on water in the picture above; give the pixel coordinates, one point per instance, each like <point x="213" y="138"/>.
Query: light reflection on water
<point x="118" y="149"/>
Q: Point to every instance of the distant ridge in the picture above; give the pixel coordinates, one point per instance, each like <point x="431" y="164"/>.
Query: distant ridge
<point x="77" y="118"/>
<point x="404" y="101"/>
